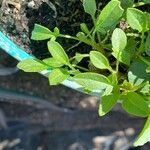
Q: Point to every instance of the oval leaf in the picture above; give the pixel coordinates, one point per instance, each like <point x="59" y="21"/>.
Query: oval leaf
<point x="107" y="102"/>
<point x="134" y="104"/>
<point x="92" y="81"/>
<point x="119" y="40"/>
<point x="90" y="7"/>
<point x="109" y="16"/>
<point x="41" y="33"/>
<point x="57" y="76"/>
<point x="32" y="65"/>
<point x="99" y="60"/>
<point x="58" y="52"/>
<point x="136" y="19"/>
<point x="144" y="137"/>
<point x="52" y="62"/>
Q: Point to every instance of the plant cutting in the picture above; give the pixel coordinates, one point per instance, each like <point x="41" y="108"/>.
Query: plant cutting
<point x="117" y="64"/>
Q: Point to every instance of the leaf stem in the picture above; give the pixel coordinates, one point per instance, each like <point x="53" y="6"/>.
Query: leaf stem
<point x="144" y="60"/>
<point x="141" y="48"/>
<point x="133" y="34"/>
<point x="117" y="63"/>
<point x="139" y="4"/>
<point x="68" y="37"/>
<point x="81" y="68"/>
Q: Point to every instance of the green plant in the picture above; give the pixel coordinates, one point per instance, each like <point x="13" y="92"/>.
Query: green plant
<point x="119" y="60"/>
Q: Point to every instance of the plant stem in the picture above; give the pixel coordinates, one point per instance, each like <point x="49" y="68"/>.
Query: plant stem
<point x="117" y="63"/>
<point x="133" y="34"/>
<point x="105" y="39"/>
<point x="71" y="67"/>
<point x="144" y="60"/>
<point x="81" y="68"/>
<point x="139" y="4"/>
<point x="68" y="37"/>
<point x="117" y="66"/>
<point x="77" y="44"/>
<point x="141" y="48"/>
<point x="99" y="39"/>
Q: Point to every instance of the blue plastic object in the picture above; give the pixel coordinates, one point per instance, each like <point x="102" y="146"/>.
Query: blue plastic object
<point x="12" y="49"/>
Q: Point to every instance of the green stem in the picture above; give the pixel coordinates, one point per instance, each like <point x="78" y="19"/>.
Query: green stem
<point x="133" y="34"/>
<point x="71" y="67"/>
<point x="77" y="44"/>
<point x="99" y="38"/>
<point x="105" y="39"/>
<point x="141" y="48"/>
<point x="139" y="4"/>
<point x="81" y="68"/>
<point x="84" y="55"/>
<point x="117" y="66"/>
<point x="68" y="37"/>
<point x="117" y="63"/>
<point x="144" y="60"/>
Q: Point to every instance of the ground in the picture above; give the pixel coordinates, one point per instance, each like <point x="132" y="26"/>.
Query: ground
<point x="72" y="123"/>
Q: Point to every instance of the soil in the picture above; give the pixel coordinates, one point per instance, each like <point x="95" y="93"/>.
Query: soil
<point x="77" y="127"/>
<point x="18" y="23"/>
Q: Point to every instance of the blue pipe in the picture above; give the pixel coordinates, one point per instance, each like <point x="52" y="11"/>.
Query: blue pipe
<point x="12" y="49"/>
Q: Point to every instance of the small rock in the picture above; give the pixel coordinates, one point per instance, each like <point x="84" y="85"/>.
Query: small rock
<point x="31" y="4"/>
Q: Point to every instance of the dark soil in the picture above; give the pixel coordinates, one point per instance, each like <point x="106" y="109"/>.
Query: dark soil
<point x="40" y="128"/>
<point x="18" y="24"/>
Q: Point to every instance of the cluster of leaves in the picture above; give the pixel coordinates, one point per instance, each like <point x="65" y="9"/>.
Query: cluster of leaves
<point x="119" y="60"/>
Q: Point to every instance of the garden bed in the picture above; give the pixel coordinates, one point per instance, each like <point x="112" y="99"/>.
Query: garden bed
<point x="17" y="22"/>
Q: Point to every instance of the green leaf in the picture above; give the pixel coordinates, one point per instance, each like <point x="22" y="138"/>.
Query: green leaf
<point x="99" y="60"/>
<point x="146" y="1"/>
<point x="84" y="28"/>
<point x="58" y="52"/>
<point x="57" y="76"/>
<point x="123" y="56"/>
<point x="56" y="31"/>
<point x="107" y="91"/>
<point x="148" y="69"/>
<point x="136" y="19"/>
<point x="147" y="45"/>
<point x="134" y="79"/>
<point x="109" y="17"/>
<point x="119" y="40"/>
<point x="113" y="78"/>
<point x="137" y="73"/>
<point x="52" y="62"/>
<point x="146" y="89"/>
<point x="147" y="21"/>
<point x="92" y="81"/>
<point x="107" y="102"/>
<point x="32" y="65"/>
<point x="144" y="136"/>
<point x="90" y="7"/>
<point x="126" y="3"/>
<point x="41" y="33"/>
<point x="135" y="104"/>
<point x="126" y="55"/>
<point x="82" y="37"/>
